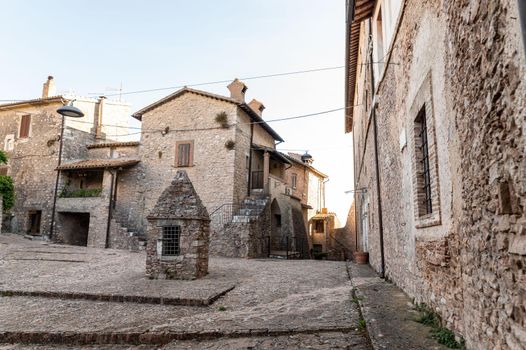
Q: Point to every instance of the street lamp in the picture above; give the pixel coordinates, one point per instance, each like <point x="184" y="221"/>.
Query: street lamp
<point x="64" y="111"/>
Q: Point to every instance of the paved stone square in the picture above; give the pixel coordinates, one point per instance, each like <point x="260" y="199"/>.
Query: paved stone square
<point x="274" y="303"/>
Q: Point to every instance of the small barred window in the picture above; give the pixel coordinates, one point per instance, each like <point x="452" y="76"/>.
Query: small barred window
<point x="171" y="240"/>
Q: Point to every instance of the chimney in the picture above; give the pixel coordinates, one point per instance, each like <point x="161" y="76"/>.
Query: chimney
<point x="257" y="106"/>
<point x="307" y="158"/>
<point x="98" y="119"/>
<point x="49" y="88"/>
<point x="237" y="90"/>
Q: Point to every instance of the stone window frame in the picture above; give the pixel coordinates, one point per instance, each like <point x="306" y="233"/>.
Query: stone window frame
<point x="190" y="156"/>
<point x="9" y="142"/>
<point x="423" y="103"/>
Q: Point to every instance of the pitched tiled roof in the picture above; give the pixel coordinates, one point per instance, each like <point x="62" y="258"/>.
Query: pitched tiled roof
<point x="293" y="157"/>
<point x="357" y="11"/>
<point x="33" y="102"/>
<point x="99" y="164"/>
<point x="114" y="144"/>
<point x="245" y="107"/>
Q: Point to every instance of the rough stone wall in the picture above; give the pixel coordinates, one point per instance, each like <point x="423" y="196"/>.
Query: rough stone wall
<point x="470" y="265"/>
<point x="212" y="173"/>
<point x="347" y="234"/>
<point x="98" y="209"/>
<point x="180" y="206"/>
<point x="488" y="110"/>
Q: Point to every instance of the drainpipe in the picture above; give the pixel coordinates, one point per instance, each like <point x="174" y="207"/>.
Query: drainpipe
<point x="110" y="210"/>
<point x="376" y="161"/>
<point x="250" y="159"/>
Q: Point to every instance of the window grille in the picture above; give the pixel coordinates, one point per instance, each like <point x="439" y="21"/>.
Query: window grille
<point x="171" y="240"/>
<point x="424" y="163"/>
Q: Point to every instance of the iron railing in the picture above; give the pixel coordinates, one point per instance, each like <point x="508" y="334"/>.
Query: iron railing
<point x="224" y="213"/>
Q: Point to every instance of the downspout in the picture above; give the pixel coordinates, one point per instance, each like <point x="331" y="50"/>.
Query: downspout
<point x="249" y="184"/>
<point x="377" y="166"/>
<point x="110" y="210"/>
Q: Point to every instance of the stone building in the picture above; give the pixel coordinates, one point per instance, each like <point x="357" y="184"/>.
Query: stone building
<point x="30" y="131"/>
<point x="178" y="233"/>
<point x="435" y="103"/>
<point x="306" y="183"/>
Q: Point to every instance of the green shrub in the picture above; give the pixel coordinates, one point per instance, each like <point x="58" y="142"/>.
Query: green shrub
<point x="85" y="192"/>
<point x="7" y="190"/>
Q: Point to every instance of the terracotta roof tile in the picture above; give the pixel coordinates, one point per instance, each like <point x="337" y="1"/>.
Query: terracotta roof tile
<point x="99" y="164"/>
<point x="114" y="144"/>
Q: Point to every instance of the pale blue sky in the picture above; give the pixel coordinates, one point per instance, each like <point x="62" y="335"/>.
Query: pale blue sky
<point x="90" y="46"/>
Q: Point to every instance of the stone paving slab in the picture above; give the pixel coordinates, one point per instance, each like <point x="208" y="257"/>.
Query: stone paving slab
<point x="33" y="268"/>
<point x="389" y="313"/>
<point x="275" y="302"/>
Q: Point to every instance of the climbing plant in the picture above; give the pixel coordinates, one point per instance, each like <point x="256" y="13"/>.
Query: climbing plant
<point x="7" y="190"/>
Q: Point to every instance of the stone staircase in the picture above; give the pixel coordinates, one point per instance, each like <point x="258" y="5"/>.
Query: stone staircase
<point x="122" y="237"/>
<point x="250" y="209"/>
<point x="240" y="232"/>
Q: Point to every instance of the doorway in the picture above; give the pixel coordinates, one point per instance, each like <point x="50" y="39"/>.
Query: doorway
<point x="35" y="217"/>
<point x="74" y="228"/>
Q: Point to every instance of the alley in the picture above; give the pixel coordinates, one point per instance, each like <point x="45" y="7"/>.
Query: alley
<point x="299" y="303"/>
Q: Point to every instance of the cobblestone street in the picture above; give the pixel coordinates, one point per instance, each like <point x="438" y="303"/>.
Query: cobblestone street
<point x="273" y="304"/>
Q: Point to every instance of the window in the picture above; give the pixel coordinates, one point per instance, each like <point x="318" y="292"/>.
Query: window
<point x="294" y="180"/>
<point x="424" y="163"/>
<point x="184" y="153"/>
<point x="423" y="170"/>
<point x="9" y="142"/>
<point x="277" y="218"/>
<point x="25" y="125"/>
<point x="319" y="226"/>
<point x="3" y="170"/>
<point x="171" y="240"/>
<point x="378" y="44"/>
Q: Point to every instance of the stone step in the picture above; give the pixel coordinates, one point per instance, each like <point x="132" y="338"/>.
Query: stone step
<point x="244" y="218"/>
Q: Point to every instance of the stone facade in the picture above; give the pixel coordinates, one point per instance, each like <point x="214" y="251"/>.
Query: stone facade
<point x="33" y="158"/>
<point x="178" y="233"/>
<point x="460" y="63"/>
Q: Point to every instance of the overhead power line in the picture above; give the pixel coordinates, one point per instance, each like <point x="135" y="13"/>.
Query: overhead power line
<point x="224" y="81"/>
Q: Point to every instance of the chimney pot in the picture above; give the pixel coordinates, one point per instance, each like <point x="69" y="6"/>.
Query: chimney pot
<point x="49" y="88"/>
<point x="237" y="90"/>
<point x="257" y="106"/>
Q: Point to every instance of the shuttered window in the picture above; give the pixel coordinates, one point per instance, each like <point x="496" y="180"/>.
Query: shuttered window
<point x="184" y="153"/>
<point x="25" y="124"/>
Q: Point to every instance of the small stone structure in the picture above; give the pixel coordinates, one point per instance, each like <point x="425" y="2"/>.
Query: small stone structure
<point x="178" y="233"/>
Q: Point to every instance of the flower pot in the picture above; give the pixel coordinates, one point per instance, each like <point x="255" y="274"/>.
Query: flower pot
<point x="361" y="257"/>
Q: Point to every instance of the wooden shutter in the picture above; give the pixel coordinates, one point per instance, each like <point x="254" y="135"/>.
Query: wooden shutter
<point x="25" y="125"/>
<point x="184" y="153"/>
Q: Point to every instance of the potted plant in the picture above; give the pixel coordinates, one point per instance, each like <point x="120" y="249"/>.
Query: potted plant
<point x="361" y="257"/>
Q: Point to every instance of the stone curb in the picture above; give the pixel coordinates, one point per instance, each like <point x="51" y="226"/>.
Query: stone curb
<point x="153" y="338"/>
<point x="116" y="297"/>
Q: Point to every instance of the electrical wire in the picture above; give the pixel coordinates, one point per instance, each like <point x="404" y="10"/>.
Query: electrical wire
<point x="223" y="81"/>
